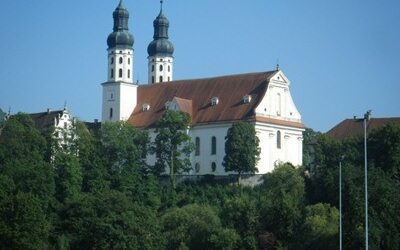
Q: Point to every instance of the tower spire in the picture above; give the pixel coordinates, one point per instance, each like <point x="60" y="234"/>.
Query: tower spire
<point x="160" y="50"/>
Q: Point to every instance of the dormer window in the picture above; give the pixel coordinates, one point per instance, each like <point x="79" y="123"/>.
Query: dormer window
<point x="146" y="107"/>
<point x="247" y="99"/>
<point x="214" y="101"/>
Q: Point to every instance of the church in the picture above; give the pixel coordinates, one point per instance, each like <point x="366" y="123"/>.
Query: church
<point x="214" y="104"/>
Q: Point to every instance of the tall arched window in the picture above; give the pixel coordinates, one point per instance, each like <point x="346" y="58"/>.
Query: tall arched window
<point x="169" y="79"/>
<point x="161" y="79"/>
<point x="161" y="67"/>
<point x="152" y="79"/>
<point x="111" y="113"/>
<point x="278" y="139"/>
<point x="129" y="60"/>
<point x="169" y="68"/>
<point x="129" y="73"/>
<point x="279" y="104"/>
<point x="121" y="60"/>
<point x="152" y="68"/>
<point x="112" y="73"/>
<point x="112" y="60"/>
<point x="197" y="145"/>
<point x="197" y="167"/>
<point x="213" y="166"/>
<point x="120" y="72"/>
<point x="213" y="145"/>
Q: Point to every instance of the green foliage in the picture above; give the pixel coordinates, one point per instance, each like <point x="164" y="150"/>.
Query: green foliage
<point x="22" y="151"/>
<point x="68" y="177"/>
<point x="384" y="149"/>
<point x="241" y="148"/>
<point x="196" y="227"/>
<point x="109" y="221"/>
<point x="240" y="213"/>
<point x="23" y="222"/>
<point x="282" y="201"/>
<point x="172" y="145"/>
<point x="320" y="228"/>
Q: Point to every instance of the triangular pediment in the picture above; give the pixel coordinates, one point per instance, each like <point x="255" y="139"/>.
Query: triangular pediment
<point x="280" y="78"/>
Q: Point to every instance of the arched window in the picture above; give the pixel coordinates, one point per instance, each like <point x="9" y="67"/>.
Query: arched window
<point x="129" y="60"/>
<point x="152" y="68"/>
<point x="213" y="145"/>
<point x="213" y="166"/>
<point x="152" y="79"/>
<point x="169" y="68"/>
<point x="111" y="113"/>
<point x="278" y="139"/>
<point x="112" y="73"/>
<point x="121" y="60"/>
<point x="161" y="79"/>
<point x="197" y="145"/>
<point x="169" y="79"/>
<point x="120" y="72"/>
<point x="197" y="167"/>
<point x="129" y="73"/>
<point x="279" y="104"/>
<point x="112" y="60"/>
<point x="161" y="67"/>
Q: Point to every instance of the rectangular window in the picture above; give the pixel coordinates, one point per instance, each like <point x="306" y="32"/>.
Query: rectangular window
<point x="213" y="145"/>
<point x="197" y="145"/>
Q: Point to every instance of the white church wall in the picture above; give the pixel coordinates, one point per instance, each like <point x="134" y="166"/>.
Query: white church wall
<point x="278" y="102"/>
<point x="206" y="157"/>
<point x="290" y="146"/>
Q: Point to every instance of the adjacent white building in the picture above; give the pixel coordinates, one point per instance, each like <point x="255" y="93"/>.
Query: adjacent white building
<point x="262" y="99"/>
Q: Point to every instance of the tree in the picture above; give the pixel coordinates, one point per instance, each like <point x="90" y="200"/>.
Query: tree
<point x="282" y="202"/>
<point x="320" y="228"/>
<point x="23" y="222"/>
<point x="68" y="177"/>
<point x="196" y="227"/>
<point x="384" y="149"/>
<point x="172" y="145"/>
<point x="22" y="151"/>
<point x="109" y="220"/>
<point x="241" y="148"/>
<point x="240" y="213"/>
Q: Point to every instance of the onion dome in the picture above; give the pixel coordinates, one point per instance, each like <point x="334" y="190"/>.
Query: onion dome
<point x="120" y="37"/>
<point x="160" y="45"/>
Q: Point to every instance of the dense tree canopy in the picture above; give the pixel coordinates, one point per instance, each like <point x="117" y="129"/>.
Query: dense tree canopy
<point x="102" y="194"/>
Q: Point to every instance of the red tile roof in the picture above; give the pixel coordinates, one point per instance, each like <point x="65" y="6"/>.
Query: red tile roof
<point x="195" y="95"/>
<point x="355" y="127"/>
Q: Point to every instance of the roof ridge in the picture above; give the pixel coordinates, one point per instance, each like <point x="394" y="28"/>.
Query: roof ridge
<point x="47" y="112"/>
<point x="208" y="78"/>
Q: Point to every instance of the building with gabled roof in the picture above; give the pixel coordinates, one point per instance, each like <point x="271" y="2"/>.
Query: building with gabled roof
<point x="351" y="128"/>
<point x="263" y="99"/>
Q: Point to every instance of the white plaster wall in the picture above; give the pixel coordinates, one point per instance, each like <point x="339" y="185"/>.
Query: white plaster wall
<point x="157" y="61"/>
<point x="270" y="105"/>
<point x="291" y="146"/>
<point x="205" y="159"/>
<point x="121" y="97"/>
<point x="126" y="65"/>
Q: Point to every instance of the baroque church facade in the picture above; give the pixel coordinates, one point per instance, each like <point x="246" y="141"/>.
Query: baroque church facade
<point x="214" y="104"/>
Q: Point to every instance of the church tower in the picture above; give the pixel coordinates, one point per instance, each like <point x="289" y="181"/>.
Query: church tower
<point x="119" y="92"/>
<point x="160" y="50"/>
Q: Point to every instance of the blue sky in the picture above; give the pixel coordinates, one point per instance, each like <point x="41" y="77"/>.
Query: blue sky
<point x="342" y="57"/>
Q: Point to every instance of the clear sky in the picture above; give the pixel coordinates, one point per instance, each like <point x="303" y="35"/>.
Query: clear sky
<point x="342" y="57"/>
